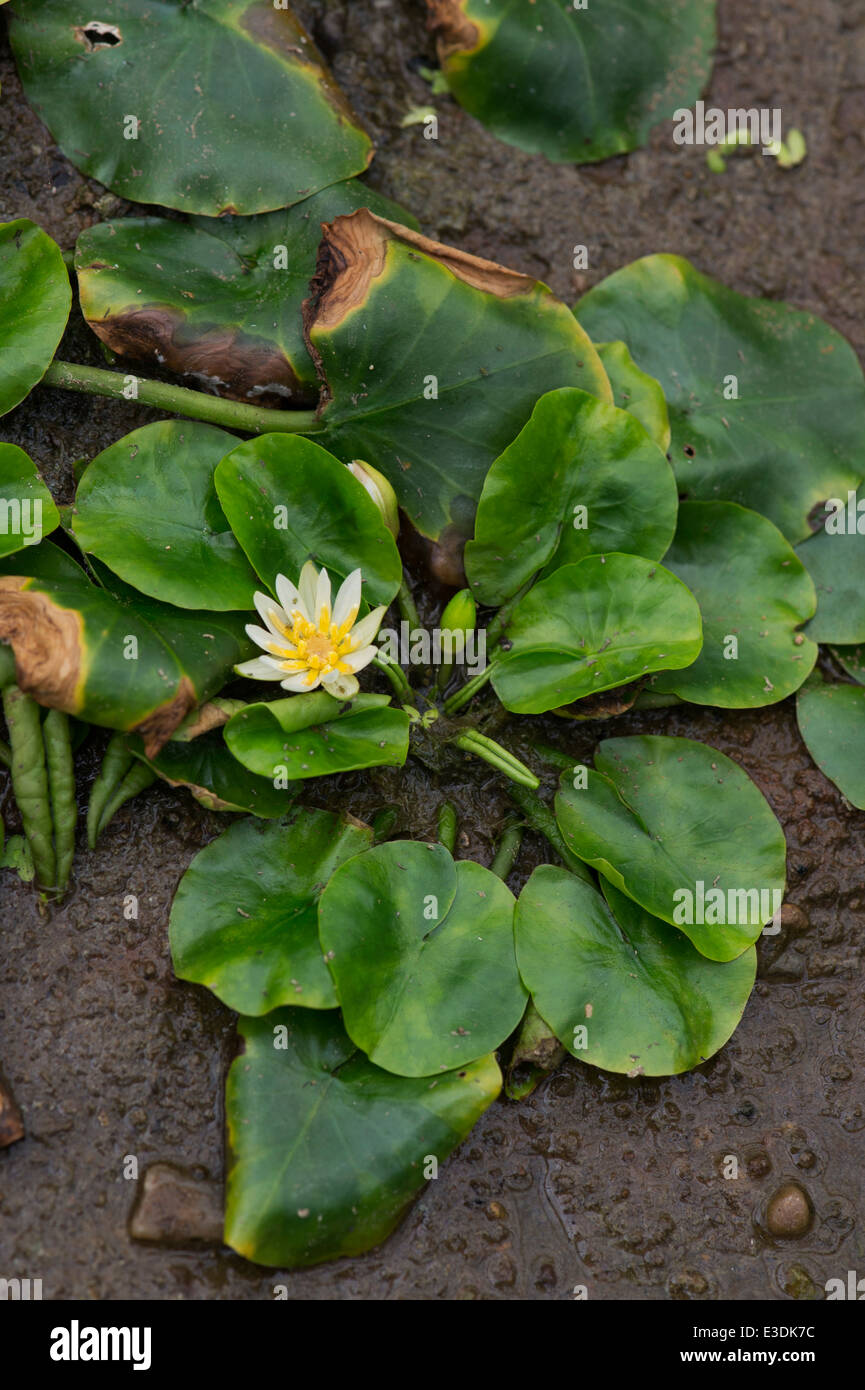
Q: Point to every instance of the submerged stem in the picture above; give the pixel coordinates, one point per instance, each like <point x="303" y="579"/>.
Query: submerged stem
<point x="508" y="849"/>
<point x="447" y="826"/>
<point x="464" y="694"/>
<point x="179" y="400"/>
<point x="406" y="604"/>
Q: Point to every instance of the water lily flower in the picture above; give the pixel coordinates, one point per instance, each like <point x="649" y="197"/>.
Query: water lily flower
<point x="310" y="643"/>
<point x="379" y="490"/>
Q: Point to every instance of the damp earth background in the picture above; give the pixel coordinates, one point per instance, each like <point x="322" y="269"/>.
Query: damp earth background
<point x="595" y="1180"/>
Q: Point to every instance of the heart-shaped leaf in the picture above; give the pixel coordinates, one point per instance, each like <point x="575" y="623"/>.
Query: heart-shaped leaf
<point x="315" y="735"/>
<point x="217" y="780"/>
<point x="852" y="660"/>
<point x="592" y="626"/>
<point x="218" y="299"/>
<point x="577" y="82"/>
<point x="215" y="107"/>
<point x="835" y="559"/>
<point x="421" y="950"/>
<point x="80" y="650"/>
<point x="832" y="723"/>
<point x="326" y="1151"/>
<point x="636" y="391"/>
<point x="621" y="989"/>
<point x="582" y="477"/>
<point x="207" y="645"/>
<point x="288" y="501"/>
<point x="432" y="361"/>
<point x="244" y="920"/>
<point x="27" y="510"/>
<point x="147" y="507"/>
<point x="767" y="404"/>
<point x="682" y="830"/>
<point x="35" y="298"/>
<point x="753" y="594"/>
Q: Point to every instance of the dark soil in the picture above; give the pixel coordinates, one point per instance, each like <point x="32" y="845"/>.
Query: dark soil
<point x="597" y="1180"/>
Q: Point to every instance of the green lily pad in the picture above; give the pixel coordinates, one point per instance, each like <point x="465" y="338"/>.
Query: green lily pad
<point x="753" y="594"/>
<point x="835" y="561"/>
<point x="636" y="391"/>
<point x="80" y="650"/>
<point x="219" y="106"/>
<point x="315" y="735"/>
<point x="582" y="477"/>
<point x="852" y="660"/>
<point x="326" y="1151"/>
<point x="27" y="510"/>
<point x="244" y="920"/>
<point x="148" y="508"/>
<point x="421" y="950"/>
<point x="621" y="989"/>
<point x="577" y="83"/>
<point x="832" y="723"/>
<point x="790" y="437"/>
<point x="592" y="626"/>
<point x="432" y="361"/>
<point x="35" y="298"/>
<point x="288" y="501"/>
<point x="218" y="781"/>
<point x="218" y="299"/>
<point x="681" y="829"/>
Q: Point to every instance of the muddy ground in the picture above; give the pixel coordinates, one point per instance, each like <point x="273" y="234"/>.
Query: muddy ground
<point x="596" y="1180"/>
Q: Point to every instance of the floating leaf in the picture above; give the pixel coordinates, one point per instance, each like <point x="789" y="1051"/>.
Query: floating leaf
<point x="79" y="649"/>
<point x="621" y="989"/>
<point x="217" y="780"/>
<point x="288" y="501"/>
<point x="581" y="477"/>
<point x="218" y="299"/>
<point x="835" y="560"/>
<point x="314" y="735"/>
<point x="433" y="405"/>
<point x="220" y="106"/>
<point x="326" y="1151"/>
<point x="767" y="404"/>
<point x="421" y="950"/>
<point x="35" y="298"/>
<point x="753" y="595"/>
<point x="637" y="392"/>
<point x="852" y="660"/>
<point x="27" y="510"/>
<point x="245" y="917"/>
<point x="577" y="83"/>
<point x="592" y="626"/>
<point x="832" y="723"/>
<point x="148" y="508"/>
<point x="682" y="830"/>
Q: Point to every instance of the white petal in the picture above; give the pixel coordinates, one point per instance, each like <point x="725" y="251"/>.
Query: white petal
<point x="267" y="605"/>
<point x="357" y="660"/>
<point x="259" y="669"/>
<point x="306" y="588"/>
<point x="299" y="683"/>
<point x="340" y="686"/>
<point x="366" y="629"/>
<point x="322" y="599"/>
<point x="265" y="638"/>
<point x="288" y="595"/>
<point x="347" y="601"/>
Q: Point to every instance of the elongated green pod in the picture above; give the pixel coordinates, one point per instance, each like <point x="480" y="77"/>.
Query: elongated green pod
<point x="137" y="779"/>
<point x="30" y="780"/>
<point x="61" y="784"/>
<point x="116" y="762"/>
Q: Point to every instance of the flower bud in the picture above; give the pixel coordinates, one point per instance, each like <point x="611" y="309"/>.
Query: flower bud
<point x="380" y="491"/>
<point x="461" y="613"/>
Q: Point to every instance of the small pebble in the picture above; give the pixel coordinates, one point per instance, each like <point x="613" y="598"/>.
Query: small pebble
<point x="789" y="1213"/>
